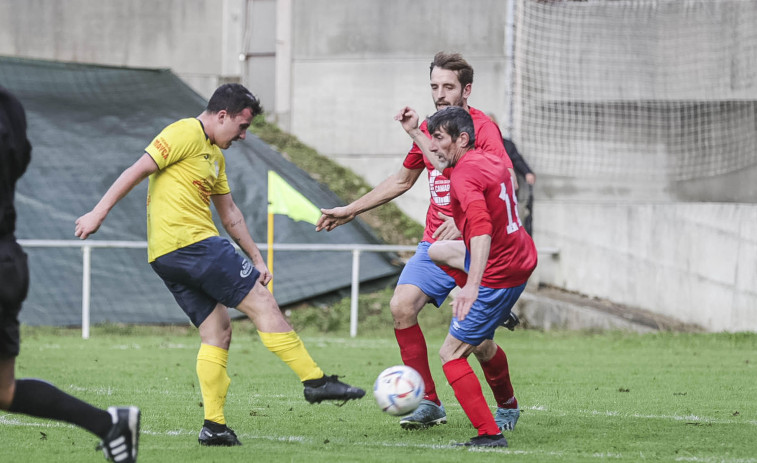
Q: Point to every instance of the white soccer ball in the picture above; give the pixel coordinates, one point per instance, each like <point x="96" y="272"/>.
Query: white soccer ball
<point x="399" y="390"/>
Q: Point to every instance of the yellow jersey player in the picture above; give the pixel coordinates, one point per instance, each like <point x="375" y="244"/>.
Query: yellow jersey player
<point x="204" y="272"/>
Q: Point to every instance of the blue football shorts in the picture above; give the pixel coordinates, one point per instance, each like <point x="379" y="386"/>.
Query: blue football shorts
<point x="422" y="272"/>
<point x="205" y="273"/>
<point x="492" y="307"/>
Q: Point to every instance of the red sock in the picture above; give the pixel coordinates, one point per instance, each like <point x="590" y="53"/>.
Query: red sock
<point x="498" y="376"/>
<point x="468" y="392"/>
<point x="415" y="354"/>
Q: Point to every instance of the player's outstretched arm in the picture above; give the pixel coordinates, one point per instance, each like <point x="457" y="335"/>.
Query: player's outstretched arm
<point x="234" y="224"/>
<point x="408" y="118"/>
<point x="393" y="186"/>
<point x="90" y="222"/>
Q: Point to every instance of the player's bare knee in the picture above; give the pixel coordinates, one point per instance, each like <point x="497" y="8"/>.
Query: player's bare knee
<point x="403" y="311"/>
<point x="447" y="354"/>
<point x="400" y="310"/>
<point x="485" y="351"/>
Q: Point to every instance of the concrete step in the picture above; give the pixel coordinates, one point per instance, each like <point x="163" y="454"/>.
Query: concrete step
<point x="549" y="308"/>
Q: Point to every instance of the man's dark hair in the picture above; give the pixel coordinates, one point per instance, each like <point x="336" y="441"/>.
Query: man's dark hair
<point x="454" y="120"/>
<point x="233" y="98"/>
<point x="454" y="62"/>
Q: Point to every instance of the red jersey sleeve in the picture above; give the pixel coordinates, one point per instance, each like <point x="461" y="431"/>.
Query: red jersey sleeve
<point x="478" y="220"/>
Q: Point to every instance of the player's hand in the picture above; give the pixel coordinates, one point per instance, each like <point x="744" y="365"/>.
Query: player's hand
<point x="447" y="230"/>
<point x="530" y="179"/>
<point x="265" y="275"/>
<point x="464" y="301"/>
<point x="408" y="118"/>
<point x="88" y="224"/>
<point x="332" y="218"/>
<point x="514" y="179"/>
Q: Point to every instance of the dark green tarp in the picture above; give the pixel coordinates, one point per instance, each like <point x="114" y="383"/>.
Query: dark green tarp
<point x="87" y="124"/>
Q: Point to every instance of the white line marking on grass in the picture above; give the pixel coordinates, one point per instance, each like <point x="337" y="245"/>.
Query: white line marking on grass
<point x="49" y="347"/>
<point x="242" y="436"/>
<point x="716" y="460"/>
<point x="668" y="417"/>
<point x="125" y="346"/>
<point x="107" y="391"/>
<point x="614" y="413"/>
<point x="171" y="345"/>
<point x="10" y="420"/>
<point x="6" y="420"/>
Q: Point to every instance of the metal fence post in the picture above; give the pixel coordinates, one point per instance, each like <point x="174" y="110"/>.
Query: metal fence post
<point x="356" y="249"/>
<point x="86" y="284"/>
<point x="354" y="294"/>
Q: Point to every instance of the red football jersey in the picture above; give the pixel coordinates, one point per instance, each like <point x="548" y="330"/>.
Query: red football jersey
<point x="479" y="176"/>
<point x="488" y="139"/>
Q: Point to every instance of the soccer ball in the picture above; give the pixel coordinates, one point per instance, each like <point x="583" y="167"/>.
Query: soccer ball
<point x="399" y="390"/>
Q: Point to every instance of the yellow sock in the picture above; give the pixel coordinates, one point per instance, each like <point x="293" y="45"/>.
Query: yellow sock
<point x="290" y="349"/>
<point x="214" y="382"/>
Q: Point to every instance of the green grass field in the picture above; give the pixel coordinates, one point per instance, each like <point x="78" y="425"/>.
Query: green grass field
<point x="585" y="397"/>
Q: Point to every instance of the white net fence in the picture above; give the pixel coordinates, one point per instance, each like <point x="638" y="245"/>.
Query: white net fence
<point x="642" y="90"/>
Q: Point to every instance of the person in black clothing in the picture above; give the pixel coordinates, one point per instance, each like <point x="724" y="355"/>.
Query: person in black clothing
<point x="519" y="164"/>
<point x="523" y="170"/>
<point x="118" y="427"/>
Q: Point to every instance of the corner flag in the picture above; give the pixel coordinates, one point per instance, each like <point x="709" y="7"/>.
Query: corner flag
<point x="285" y="200"/>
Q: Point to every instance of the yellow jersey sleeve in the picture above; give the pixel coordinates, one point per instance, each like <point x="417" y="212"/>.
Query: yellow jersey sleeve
<point x="190" y="170"/>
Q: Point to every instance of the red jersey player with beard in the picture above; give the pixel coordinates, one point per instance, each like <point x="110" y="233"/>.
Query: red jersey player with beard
<point x="422" y="281"/>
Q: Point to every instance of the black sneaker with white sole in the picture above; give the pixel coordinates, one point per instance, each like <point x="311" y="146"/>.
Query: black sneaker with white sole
<point x="330" y="388"/>
<point x="497" y="440"/>
<point x="122" y="442"/>
<point x="224" y="438"/>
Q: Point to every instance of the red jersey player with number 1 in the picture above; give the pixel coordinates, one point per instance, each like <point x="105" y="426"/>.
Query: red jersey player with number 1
<point x="498" y="256"/>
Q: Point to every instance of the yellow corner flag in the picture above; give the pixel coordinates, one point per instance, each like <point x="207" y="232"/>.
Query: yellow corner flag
<point x="285" y="200"/>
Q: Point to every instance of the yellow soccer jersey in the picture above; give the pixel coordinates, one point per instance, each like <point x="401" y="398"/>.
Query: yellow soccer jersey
<point x="190" y="170"/>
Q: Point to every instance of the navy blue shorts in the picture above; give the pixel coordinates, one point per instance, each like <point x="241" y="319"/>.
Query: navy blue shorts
<point x="205" y="273"/>
<point x="422" y="272"/>
<point x="14" y="285"/>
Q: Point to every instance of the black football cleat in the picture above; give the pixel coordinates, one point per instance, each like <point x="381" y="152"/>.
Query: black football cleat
<point x="330" y="388"/>
<point x="225" y="438"/>
<point x="497" y="440"/>
<point x="122" y="442"/>
<point x="511" y="322"/>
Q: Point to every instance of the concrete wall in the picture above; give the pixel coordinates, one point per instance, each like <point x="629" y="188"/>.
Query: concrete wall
<point x="200" y="40"/>
<point x="696" y="262"/>
<point x="352" y="63"/>
<point x="337" y="71"/>
<point x="355" y="63"/>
